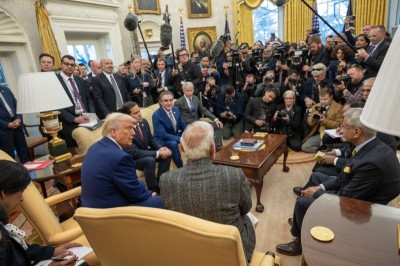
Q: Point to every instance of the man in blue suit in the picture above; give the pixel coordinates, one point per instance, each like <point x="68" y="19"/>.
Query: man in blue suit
<point x="108" y="173"/>
<point x="11" y="128"/>
<point x="169" y="126"/>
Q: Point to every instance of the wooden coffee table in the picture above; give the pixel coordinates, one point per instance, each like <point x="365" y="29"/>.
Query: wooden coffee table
<point x="256" y="164"/>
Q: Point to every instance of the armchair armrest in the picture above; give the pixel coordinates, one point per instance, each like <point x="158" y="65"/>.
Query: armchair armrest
<point x="66" y="236"/>
<point x="67" y="195"/>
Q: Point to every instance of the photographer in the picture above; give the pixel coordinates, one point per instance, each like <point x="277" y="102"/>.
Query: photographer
<point x="341" y="56"/>
<point x="310" y="89"/>
<point x="208" y="70"/>
<point x="230" y="107"/>
<point x="325" y="115"/>
<point x="268" y="83"/>
<point x="210" y="93"/>
<point x="261" y="61"/>
<point x="349" y="88"/>
<point x="236" y="68"/>
<point x="293" y="83"/>
<point x="185" y="71"/>
<point x="248" y="89"/>
<point x="260" y="112"/>
<point x="287" y="120"/>
<point x="318" y="53"/>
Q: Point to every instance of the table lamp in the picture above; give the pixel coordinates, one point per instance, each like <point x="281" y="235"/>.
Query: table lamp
<point x="42" y="92"/>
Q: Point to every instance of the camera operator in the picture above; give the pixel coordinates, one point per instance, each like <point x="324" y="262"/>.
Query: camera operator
<point x="349" y="31"/>
<point x="341" y="57"/>
<point x="260" y="112"/>
<point x="261" y="61"/>
<point x="236" y="68"/>
<point x="318" y="53"/>
<point x="309" y="91"/>
<point x="325" y="115"/>
<point x="185" y="71"/>
<point x="349" y="87"/>
<point x="293" y="83"/>
<point x="230" y="107"/>
<point x="287" y="120"/>
<point x="210" y="93"/>
<point x="268" y="83"/>
<point x="249" y="87"/>
<point x="208" y="70"/>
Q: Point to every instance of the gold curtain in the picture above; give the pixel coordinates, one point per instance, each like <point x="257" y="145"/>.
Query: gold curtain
<point x="46" y="35"/>
<point x="373" y="12"/>
<point x="298" y="18"/>
<point x="243" y="19"/>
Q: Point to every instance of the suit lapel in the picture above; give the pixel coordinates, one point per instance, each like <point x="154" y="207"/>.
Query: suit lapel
<point x="60" y="78"/>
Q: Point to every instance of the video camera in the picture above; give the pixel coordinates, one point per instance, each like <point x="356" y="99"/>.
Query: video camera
<point x="281" y="52"/>
<point x="320" y="110"/>
<point x="299" y="56"/>
<point x="235" y="56"/>
<point x="344" y="78"/>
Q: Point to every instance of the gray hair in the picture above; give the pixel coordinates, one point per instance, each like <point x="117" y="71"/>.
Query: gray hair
<point x="187" y="84"/>
<point x="114" y="120"/>
<point x="197" y="140"/>
<point x="353" y="119"/>
<point x="318" y="69"/>
<point x="289" y="92"/>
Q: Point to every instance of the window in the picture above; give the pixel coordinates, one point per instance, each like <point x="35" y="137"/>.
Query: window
<point x="3" y="80"/>
<point x="82" y="53"/>
<point x="265" y="21"/>
<point x="334" y="12"/>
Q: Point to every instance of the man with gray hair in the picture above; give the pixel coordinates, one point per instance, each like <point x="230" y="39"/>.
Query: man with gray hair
<point x="108" y="173"/>
<point x="372" y="174"/>
<point x="213" y="192"/>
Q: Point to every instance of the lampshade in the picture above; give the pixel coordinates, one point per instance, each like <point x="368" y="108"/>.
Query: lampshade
<point x="40" y="92"/>
<point x="381" y="112"/>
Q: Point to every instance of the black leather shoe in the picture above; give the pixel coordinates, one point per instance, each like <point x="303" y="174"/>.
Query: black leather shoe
<point x="291" y="249"/>
<point x="297" y="191"/>
<point x="290" y="221"/>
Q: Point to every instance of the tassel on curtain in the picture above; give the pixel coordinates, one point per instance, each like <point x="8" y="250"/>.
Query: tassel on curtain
<point x="46" y="35"/>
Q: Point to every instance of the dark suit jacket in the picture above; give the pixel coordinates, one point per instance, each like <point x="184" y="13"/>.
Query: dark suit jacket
<point x="104" y="95"/>
<point x="254" y="109"/>
<point x="68" y="115"/>
<point x="109" y="177"/>
<point x="372" y="174"/>
<point x="224" y="196"/>
<point x="237" y="108"/>
<point x="16" y="255"/>
<point x="163" y="128"/>
<point x="187" y="115"/>
<point x="5" y="117"/>
<point x="374" y="62"/>
<point x="146" y="147"/>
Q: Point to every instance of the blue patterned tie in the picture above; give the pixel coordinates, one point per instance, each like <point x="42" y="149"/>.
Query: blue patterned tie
<point x="191" y="105"/>
<point x="76" y="94"/>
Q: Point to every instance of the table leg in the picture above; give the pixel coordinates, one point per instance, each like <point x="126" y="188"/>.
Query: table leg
<point x="258" y="184"/>
<point x="285" y="155"/>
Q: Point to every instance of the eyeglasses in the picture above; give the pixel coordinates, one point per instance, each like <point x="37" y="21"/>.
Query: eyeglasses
<point x="183" y="55"/>
<point x="317" y="69"/>
<point x="68" y="64"/>
<point x="342" y="126"/>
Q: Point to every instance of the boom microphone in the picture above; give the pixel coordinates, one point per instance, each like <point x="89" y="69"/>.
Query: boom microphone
<point x="166" y="35"/>
<point x="131" y="22"/>
<point x="216" y="48"/>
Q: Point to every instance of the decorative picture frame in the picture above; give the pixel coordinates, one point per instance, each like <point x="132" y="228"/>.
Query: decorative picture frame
<point x="147" y="7"/>
<point x="209" y="34"/>
<point x="199" y="8"/>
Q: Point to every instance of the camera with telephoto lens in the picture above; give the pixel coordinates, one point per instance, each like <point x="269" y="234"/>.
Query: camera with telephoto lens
<point x="269" y="79"/>
<point x="281" y="52"/>
<point x="344" y="78"/>
<point x="235" y="56"/>
<point x="320" y="110"/>
<point x="281" y="114"/>
<point x="256" y="55"/>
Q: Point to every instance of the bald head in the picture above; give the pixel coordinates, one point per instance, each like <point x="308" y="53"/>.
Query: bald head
<point x="198" y="140"/>
<point x="107" y="65"/>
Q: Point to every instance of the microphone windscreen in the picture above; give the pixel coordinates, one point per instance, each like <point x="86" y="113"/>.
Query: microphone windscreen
<point x="131" y="22"/>
<point x="216" y="48"/>
<point x="166" y="35"/>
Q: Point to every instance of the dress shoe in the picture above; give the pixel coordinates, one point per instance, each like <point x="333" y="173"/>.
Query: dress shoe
<point x="291" y="249"/>
<point x="297" y="191"/>
<point x="290" y="221"/>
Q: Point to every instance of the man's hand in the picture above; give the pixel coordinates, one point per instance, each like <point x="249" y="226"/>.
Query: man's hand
<point x="81" y="119"/>
<point x="66" y="262"/>
<point x="63" y="249"/>
<point x="260" y="123"/>
<point x="164" y="152"/>
<point x="175" y="72"/>
<point x="309" y="192"/>
<point x="309" y="102"/>
<point x="159" y="90"/>
<point x="136" y="90"/>
<point x="361" y="55"/>
<point x="329" y="159"/>
<point x="306" y="68"/>
<point x="219" y="123"/>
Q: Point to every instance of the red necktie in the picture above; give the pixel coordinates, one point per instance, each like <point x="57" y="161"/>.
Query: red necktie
<point x="139" y="132"/>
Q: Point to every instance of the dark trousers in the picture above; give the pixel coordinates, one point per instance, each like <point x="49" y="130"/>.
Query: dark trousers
<point x="294" y="142"/>
<point x="317" y="178"/>
<point x="15" y="139"/>
<point x="176" y="155"/>
<point x="148" y="166"/>
<point x="300" y="209"/>
<point x="154" y="202"/>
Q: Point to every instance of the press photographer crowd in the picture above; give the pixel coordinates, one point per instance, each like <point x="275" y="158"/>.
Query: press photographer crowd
<point x="297" y="89"/>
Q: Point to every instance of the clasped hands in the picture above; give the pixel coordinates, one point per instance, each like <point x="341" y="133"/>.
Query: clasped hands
<point x="164" y="152"/>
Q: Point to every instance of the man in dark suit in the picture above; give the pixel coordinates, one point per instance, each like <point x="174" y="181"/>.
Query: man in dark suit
<point x="372" y="58"/>
<point x="145" y="151"/>
<point x="372" y="174"/>
<point x="78" y="92"/>
<point x="163" y="75"/>
<point x="213" y="192"/>
<point x="109" y="91"/>
<point x="11" y="128"/>
<point x="260" y="111"/>
<point x="169" y="126"/>
<point x="196" y="7"/>
<point x="108" y="173"/>
<point x="190" y="106"/>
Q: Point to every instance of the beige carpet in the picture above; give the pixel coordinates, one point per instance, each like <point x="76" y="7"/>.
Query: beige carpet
<point x="278" y="200"/>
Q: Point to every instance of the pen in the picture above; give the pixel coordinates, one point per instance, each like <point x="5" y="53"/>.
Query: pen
<point x="57" y="259"/>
